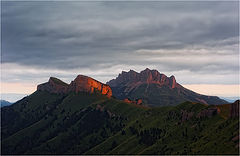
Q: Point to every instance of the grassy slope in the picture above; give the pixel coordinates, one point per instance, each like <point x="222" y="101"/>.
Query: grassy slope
<point x="71" y="124"/>
<point x="59" y="123"/>
<point x="27" y="111"/>
<point x="206" y="136"/>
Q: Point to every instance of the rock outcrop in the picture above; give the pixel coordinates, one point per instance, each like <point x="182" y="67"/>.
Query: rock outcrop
<point x="138" y="101"/>
<point x="80" y="84"/>
<point x="172" y="82"/>
<point x="205" y="113"/>
<point x="127" y="100"/>
<point x="186" y="115"/>
<point x="234" y="109"/>
<point x="86" y="84"/>
<point x="54" y="85"/>
<point x="208" y="112"/>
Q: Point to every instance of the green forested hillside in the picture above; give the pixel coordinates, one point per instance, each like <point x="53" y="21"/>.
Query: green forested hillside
<point x="83" y="123"/>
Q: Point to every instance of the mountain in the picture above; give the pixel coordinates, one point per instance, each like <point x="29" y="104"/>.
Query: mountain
<point x="5" y="103"/>
<point x="80" y="83"/>
<point x="156" y="89"/>
<point x="82" y="120"/>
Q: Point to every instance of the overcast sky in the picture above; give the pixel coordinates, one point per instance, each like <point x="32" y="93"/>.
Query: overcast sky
<point x="195" y="41"/>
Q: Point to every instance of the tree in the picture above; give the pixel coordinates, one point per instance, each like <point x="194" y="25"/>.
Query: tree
<point x="123" y="132"/>
<point x="114" y="144"/>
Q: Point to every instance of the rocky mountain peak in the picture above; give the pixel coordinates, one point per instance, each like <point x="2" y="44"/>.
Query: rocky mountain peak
<point x="90" y="85"/>
<point x="145" y="76"/>
<point x="156" y="89"/>
<point x="54" y="85"/>
<point x="80" y="84"/>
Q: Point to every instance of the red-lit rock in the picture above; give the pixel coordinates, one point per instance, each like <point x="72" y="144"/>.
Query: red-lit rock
<point x="172" y="82"/>
<point x="127" y="100"/>
<point x="86" y="84"/>
<point x="80" y="84"/>
<point x="139" y="101"/>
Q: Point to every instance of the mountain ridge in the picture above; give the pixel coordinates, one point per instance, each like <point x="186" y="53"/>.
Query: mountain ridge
<point x="152" y="87"/>
<point x="80" y="123"/>
<point x="80" y="83"/>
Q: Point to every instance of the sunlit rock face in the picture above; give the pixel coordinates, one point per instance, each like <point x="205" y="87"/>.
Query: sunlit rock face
<point x="86" y="84"/>
<point x="54" y="85"/>
<point x="137" y="101"/>
<point x="80" y="84"/>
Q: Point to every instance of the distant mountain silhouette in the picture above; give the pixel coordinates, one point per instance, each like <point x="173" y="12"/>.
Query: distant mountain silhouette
<point x="156" y="89"/>
<point x="5" y="103"/>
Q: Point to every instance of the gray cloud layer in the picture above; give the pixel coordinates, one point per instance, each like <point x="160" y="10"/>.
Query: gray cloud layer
<point x="198" y="38"/>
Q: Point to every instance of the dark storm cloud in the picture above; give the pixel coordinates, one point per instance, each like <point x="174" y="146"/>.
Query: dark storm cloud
<point x="97" y="35"/>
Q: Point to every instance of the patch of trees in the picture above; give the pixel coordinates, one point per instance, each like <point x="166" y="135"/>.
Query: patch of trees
<point x="150" y="136"/>
<point x="133" y="130"/>
<point x="114" y="144"/>
<point x="173" y="115"/>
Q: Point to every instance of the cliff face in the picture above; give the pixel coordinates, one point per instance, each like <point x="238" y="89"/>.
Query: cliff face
<point x="54" y="85"/>
<point x="146" y="76"/>
<point x="234" y="109"/>
<point x="186" y="115"/>
<point x="80" y="84"/>
<point x="86" y="84"/>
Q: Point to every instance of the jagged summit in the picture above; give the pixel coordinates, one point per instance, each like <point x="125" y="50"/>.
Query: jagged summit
<point x="156" y="89"/>
<point x="81" y="83"/>
<point x="145" y="76"/>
